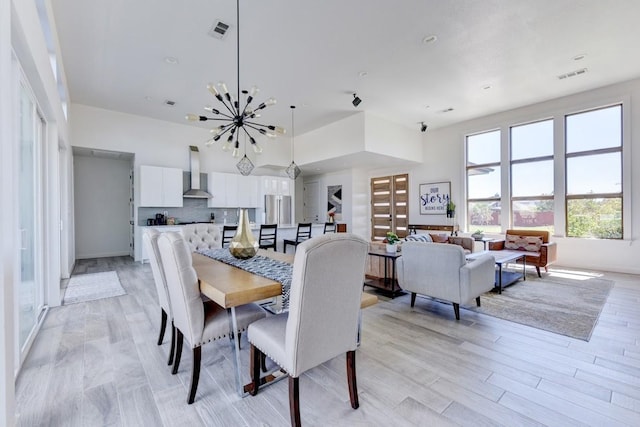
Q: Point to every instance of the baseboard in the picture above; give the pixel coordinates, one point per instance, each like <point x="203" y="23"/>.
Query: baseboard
<point x="102" y="255"/>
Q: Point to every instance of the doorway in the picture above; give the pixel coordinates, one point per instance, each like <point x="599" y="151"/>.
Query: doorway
<point x="389" y="206"/>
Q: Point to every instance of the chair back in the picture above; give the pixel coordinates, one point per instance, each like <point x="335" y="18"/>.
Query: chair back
<point x="268" y="236"/>
<point x="228" y="231"/>
<point x="324" y="306"/>
<point x="304" y="232"/>
<point x="150" y="242"/>
<point x="202" y="236"/>
<point x="430" y="268"/>
<point x="182" y="282"/>
<point x="329" y="227"/>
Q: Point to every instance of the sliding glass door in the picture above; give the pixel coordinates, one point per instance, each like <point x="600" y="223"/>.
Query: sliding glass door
<point x="30" y="293"/>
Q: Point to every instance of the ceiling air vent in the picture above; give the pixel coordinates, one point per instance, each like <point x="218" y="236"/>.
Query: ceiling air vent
<point x="170" y="103"/>
<point x="572" y="74"/>
<point x="219" y="29"/>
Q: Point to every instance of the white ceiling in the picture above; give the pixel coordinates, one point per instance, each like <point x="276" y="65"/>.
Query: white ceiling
<point x="311" y="54"/>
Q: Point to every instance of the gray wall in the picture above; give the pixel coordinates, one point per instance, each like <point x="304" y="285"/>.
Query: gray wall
<point x="101" y="193"/>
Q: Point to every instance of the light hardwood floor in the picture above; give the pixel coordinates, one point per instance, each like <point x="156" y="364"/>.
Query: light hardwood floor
<point x="97" y="363"/>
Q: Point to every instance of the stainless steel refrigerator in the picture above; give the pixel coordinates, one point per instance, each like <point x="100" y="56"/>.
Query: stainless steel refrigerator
<point x="277" y="209"/>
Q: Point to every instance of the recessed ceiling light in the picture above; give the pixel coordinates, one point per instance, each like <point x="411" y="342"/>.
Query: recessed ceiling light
<point x="579" y="57"/>
<point x="427" y="106"/>
<point x="362" y="74"/>
<point x="429" y="39"/>
<point x="171" y="60"/>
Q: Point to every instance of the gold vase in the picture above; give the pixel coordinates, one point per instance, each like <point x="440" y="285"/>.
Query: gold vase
<point x="243" y="245"/>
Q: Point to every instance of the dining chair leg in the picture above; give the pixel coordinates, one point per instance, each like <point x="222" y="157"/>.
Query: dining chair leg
<point x="456" y="310"/>
<point x="478" y="301"/>
<point x="294" y="401"/>
<point x="172" y="351"/>
<point x="176" y="362"/>
<point x="163" y="325"/>
<point x="195" y="374"/>
<point x="254" y="367"/>
<point x="413" y="299"/>
<point x="351" y="379"/>
<point x="263" y="362"/>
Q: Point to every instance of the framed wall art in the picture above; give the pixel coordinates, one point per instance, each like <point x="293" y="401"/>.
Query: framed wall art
<point x="434" y="198"/>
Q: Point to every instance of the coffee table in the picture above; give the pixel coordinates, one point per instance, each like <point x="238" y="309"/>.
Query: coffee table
<point x="505" y="278"/>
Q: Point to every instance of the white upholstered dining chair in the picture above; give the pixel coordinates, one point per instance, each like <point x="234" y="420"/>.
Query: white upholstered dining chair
<point x="150" y="240"/>
<point x="202" y="236"/>
<point x="322" y="322"/>
<point x="194" y="320"/>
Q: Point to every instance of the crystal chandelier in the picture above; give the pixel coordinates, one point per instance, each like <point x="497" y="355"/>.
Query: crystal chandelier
<point x="236" y="118"/>
<point x="293" y="170"/>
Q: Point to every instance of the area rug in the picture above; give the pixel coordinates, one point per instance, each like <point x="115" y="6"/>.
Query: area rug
<point x="93" y="286"/>
<point x="561" y="305"/>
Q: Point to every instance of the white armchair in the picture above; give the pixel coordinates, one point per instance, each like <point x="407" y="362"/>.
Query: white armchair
<point x="441" y="271"/>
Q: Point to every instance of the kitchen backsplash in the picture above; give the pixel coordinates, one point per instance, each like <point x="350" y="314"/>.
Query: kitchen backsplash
<point x="194" y="210"/>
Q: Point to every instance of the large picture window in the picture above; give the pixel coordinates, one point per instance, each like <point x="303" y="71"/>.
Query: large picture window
<point x="594" y="173"/>
<point x="532" y="175"/>
<point x="484" y="181"/>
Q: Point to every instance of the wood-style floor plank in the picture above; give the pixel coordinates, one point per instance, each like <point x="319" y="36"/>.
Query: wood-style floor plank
<point x="97" y="363"/>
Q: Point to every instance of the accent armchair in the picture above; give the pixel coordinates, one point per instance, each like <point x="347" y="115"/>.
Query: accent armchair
<point x="441" y="271"/>
<point x="540" y="251"/>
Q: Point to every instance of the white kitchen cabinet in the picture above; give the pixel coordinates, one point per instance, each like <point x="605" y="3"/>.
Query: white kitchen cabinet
<point x="232" y="190"/>
<point x="160" y="187"/>
<point x="276" y="185"/>
<point x="248" y="191"/>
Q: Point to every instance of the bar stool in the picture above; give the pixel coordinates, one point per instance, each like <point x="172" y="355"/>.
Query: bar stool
<point x="303" y="233"/>
<point x="228" y="231"/>
<point x="329" y="227"/>
<point x="268" y="236"/>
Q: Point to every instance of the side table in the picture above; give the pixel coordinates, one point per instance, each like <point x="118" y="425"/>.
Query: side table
<point x="388" y="284"/>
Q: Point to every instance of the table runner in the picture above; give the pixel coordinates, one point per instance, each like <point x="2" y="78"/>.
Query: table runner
<point x="260" y="265"/>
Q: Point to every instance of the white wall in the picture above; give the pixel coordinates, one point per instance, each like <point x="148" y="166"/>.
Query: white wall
<point x="8" y="224"/>
<point x="101" y="187"/>
<point x="384" y="137"/>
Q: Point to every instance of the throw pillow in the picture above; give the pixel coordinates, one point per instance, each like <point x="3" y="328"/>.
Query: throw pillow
<point x="523" y="243"/>
<point x="418" y="238"/>
<point x="439" y="238"/>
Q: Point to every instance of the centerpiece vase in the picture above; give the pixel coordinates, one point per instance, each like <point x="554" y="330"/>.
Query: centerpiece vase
<point x="243" y="245"/>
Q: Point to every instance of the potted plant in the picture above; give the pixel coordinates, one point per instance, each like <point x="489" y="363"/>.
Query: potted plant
<point x="392" y="242"/>
<point x="478" y="234"/>
<point x="451" y="209"/>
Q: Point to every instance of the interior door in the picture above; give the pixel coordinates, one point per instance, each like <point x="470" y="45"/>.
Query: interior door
<point x="311" y="202"/>
<point x="389" y="206"/>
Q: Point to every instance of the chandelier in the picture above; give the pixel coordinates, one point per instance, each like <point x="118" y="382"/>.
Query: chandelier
<point x="236" y="117"/>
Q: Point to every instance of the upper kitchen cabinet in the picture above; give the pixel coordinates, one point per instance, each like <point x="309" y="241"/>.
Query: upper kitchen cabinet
<point x="160" y="187"/>
<point x="232" y="191"/>
<point x="276" y="185"/>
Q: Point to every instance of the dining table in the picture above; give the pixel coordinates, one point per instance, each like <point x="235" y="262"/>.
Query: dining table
<point x="230" y="287"/>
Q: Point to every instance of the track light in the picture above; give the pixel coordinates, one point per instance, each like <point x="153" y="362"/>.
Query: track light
<point x="423" y="127"/>
<point x="356" y="101"/>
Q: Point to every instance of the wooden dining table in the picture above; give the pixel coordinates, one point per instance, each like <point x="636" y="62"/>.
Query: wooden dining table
<point x="230" y="287"/>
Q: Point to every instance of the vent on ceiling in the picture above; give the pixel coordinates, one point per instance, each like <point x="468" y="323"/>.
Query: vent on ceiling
<point x="219" y="29"/>
<point x="572" y="74"/>
<point x="170" y="103"/>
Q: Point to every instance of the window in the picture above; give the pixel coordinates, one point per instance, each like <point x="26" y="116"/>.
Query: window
<point x="483" y="181"/>
<point x="594" y="173"/>
<point x="532" y="175"/>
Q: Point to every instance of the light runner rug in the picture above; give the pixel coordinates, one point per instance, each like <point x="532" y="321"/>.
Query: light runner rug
<point x="93" y="286"/>
<point x="557" y="304"/>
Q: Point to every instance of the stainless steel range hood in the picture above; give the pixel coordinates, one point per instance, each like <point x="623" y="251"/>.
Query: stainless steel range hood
<point x="195" y="192"/>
